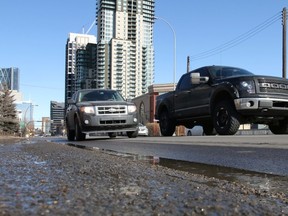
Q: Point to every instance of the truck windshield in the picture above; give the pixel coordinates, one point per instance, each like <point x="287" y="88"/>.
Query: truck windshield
<point x="223" y="72"/>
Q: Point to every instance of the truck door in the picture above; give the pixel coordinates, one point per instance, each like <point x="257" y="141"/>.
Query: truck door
<point x="182" y="97"/>
<point x="200" y="96"/>
<point x="192" y="99"/>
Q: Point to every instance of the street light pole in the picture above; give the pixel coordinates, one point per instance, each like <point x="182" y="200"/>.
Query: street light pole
<point x="284" y="17"/>
<point x="30" y="107"/>
<point x="174" y="35"/>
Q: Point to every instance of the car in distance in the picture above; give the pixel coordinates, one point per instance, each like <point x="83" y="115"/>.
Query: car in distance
<point x="195" y="131"/>
<point x="143" y="130"/>
<point x="92" y="111"/>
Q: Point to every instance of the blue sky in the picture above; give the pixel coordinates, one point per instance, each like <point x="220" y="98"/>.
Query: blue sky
<point x="34" y="33"/>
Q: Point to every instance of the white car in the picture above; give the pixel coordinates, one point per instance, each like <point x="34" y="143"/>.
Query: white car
<point x="143" y="130"/>
<point x="195" y="131"/>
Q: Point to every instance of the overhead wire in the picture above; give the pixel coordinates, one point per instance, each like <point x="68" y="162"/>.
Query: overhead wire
<point x="43" y="87"/>
<point x="236" y="41"/>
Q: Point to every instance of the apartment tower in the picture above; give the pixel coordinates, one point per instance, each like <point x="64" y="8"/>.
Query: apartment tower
<point x="125" y="52"/>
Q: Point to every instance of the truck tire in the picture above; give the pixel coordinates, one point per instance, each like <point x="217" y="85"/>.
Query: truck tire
<point x="78" y="133"/>
<point x="280" y="128"/>
<point x="132" y="134"/>
<point x="225" y="118"/>
<point x="167" y="126"/>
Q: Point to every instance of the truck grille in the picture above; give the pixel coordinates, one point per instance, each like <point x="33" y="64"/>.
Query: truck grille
<point x="273" y="86"/>
<point x="111" y="110"/>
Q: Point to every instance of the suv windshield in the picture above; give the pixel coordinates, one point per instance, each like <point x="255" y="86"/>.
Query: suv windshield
<point x="223" y="72"/>
<point x="100" y="95"/>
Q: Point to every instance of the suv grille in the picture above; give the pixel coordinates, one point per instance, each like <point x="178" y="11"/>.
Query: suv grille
<point x="273" y="86"/>
<point x="111" y="110"/>
<point x="112" y="122"/>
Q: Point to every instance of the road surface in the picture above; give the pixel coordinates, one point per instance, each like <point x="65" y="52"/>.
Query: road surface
<point x="260" y="153"/>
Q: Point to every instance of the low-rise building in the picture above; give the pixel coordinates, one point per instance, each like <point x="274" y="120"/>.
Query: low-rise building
<point x="57" y="110"/>
<point x="146" y="106"/>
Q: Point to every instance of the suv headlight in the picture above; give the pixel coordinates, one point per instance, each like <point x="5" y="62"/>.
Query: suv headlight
<point x="131" y="108"/>
<point x="87" y="109"/>
<point x="247" y="87"/>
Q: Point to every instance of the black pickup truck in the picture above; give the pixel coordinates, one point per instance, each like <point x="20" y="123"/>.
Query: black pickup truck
<point x="220" y="98"/>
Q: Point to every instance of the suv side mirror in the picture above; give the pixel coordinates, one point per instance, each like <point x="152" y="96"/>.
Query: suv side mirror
<point x="197" y="79"/>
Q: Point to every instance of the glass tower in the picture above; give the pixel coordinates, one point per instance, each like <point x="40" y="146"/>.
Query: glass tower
<point x="10" y="78"/>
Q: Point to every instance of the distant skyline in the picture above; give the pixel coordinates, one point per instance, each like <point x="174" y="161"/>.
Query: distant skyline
<point x="34" y="34"/>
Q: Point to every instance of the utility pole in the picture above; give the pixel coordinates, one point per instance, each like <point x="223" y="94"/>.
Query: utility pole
<point x="188" y="64"/>
<point x="284" y="17"/>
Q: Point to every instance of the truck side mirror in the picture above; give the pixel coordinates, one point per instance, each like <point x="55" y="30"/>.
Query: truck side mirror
<point x="197" y="79"/>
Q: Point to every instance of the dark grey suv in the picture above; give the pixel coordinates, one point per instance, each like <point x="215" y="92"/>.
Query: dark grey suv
<point x="93" y="111"/>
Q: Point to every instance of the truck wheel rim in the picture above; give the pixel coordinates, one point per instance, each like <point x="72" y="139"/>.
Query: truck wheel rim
<point x="222" y="117"/>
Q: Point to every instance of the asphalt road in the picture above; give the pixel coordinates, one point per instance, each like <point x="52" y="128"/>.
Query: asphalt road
<point x="264" y="153"/>
<point x="47" y="178"/>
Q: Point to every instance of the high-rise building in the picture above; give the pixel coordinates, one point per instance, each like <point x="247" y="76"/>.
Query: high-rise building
<point x="123" y="57"/>
<point x="125" y="51"/>
<point x="10" y="78"/>
<point x="86" y="67"/>
<point x="75" y="42"/>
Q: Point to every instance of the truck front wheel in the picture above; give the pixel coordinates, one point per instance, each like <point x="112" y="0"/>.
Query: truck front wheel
<point x="225" y="118"/>
<point x="167" y="126"/>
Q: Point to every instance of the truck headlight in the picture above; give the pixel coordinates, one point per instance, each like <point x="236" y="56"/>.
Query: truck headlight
<point x="131" y="108"/>
<point x="87" y="109"/>
<point x="247" y="87"/>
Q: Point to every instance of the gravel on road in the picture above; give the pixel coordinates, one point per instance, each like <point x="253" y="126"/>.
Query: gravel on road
<point x="45" y="178"/>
